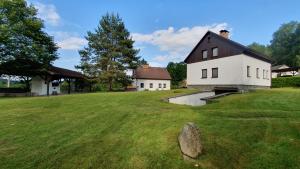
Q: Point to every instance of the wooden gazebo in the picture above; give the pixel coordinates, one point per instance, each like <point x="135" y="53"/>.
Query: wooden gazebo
<point x="47" y="75"/>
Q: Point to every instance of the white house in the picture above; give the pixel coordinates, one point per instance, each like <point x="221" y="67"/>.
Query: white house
<point x="151" y="78"/>
<point x="284" y="70"/>
<point x="217" y="61"/>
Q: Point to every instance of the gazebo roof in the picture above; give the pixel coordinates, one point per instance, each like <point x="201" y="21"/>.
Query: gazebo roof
<point x="29" y="68"/>
<point x="297" y="68"/>
<point x="64" y="73"/>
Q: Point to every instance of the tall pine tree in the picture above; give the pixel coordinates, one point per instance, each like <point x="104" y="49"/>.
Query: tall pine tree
<point x="109" y="52"/>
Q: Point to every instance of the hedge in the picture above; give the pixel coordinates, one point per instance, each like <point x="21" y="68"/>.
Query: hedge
<point x="286" y="82"/>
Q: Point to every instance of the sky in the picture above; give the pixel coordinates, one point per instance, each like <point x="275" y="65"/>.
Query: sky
<point x="163" y="30"/>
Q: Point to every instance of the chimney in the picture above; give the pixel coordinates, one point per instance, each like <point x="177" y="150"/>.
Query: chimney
<point x="224" y="33"/>
<point x="145" y="66"/>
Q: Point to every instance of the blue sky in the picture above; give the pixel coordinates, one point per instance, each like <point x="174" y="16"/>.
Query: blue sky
<point x="164" y="30"/>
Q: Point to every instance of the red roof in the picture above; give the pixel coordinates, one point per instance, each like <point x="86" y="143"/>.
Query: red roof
<point x="155" y="73"/>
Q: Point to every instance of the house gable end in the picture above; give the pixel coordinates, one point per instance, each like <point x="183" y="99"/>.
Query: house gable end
<point x="207" y="43"/>
<point x="226" y="47"/>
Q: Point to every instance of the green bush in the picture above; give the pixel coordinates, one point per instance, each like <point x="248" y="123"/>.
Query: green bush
<point x="286" y="82"/>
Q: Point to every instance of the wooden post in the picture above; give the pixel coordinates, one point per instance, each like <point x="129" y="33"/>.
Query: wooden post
<point x="69" y="85"/>
<point x="48" y="87"/>
<point x="47" y="80"/>
<point x="8" y="81"/>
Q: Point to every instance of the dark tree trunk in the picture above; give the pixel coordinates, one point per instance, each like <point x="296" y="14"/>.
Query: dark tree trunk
<point x="27" y="83"/>
<point x="110" y="85"/>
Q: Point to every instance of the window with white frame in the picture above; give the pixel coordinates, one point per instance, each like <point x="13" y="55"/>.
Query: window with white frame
<point x="142" y="85"/>
<point x="257" y="73"/>
<point x="204" y="54"/>
<point x="159" y="85"/>
<point x="151" y="85"/>
<point x="215" y="52"/>
<point x="165" y="85"/>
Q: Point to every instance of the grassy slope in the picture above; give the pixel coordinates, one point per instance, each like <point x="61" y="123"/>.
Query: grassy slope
<point x="138" y="130"/>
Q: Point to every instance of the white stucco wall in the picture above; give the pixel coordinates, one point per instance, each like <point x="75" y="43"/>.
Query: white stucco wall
<point x="255" y="63"/>
<point x="137" y="84"/>
<point x="231" y="71"/>
<point x="39" y="87"/>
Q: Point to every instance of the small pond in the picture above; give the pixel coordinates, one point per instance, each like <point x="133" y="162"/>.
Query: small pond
<point x="192" y="99"/>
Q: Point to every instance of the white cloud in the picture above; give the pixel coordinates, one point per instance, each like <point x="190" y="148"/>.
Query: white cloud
<point x="68" y="41"/>
<point x="156" y="64"/>
<point x="161" y="58"/>
<point x="72" y="43"/>
<point x="48" y="13"/>
<point x="176" y="43"/>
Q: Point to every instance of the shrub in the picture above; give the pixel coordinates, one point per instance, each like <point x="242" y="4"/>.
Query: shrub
<point x="286" y="82"/>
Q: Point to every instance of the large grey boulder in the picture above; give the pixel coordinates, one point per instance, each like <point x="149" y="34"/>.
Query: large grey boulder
<point x="189" y="140"/>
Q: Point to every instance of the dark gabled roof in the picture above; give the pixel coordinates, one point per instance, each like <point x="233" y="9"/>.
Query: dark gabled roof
<point x="22" y="67"/>
<point x="244" y="50"/>
<point x="155" y="73"/>
<point x="64" y="73"/>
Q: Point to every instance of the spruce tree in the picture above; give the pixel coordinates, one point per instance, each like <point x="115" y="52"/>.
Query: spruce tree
<point x="109" y="52"/>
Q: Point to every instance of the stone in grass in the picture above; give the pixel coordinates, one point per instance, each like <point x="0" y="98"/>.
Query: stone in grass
<point x="189" y="141"/>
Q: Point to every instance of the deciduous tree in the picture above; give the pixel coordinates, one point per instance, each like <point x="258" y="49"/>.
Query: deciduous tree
<point x="22" y="38"/>
<point x="263" y="49"/>
<point x="286" y="44"/>
<point x="177" y="72"/>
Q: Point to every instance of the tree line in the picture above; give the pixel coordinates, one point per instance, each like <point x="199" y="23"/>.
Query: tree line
<point x="284" y="48"/>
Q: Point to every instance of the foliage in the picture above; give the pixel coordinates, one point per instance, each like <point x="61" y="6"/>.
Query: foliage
<point x="177" y="72"/>
<point x="286" y="44"/>
<point x="286" y="82"/>
<point x="142" y="62"/>
<point x="109" y="52"/>
<point x="263" y="49"/>
<point x="22" y="37"/>
<point x="137" y="130"/>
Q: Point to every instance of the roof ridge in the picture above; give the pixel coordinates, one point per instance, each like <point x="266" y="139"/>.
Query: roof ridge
<point x="244" y="48"/>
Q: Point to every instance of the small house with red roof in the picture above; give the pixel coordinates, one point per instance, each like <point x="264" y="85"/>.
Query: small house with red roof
<point x="151" y="78"/>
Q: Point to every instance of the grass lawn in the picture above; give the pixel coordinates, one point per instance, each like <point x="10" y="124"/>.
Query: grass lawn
<point x="137" y="130"/>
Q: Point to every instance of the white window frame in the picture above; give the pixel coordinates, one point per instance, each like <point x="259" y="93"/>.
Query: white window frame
<point x="204" y="51"/>
<point x="215" y="52"/>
